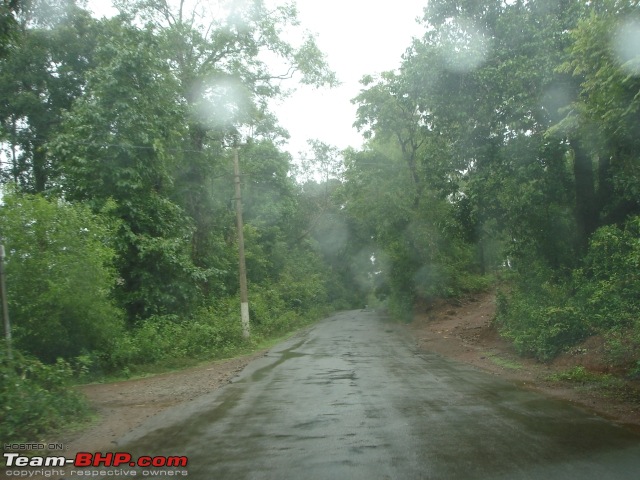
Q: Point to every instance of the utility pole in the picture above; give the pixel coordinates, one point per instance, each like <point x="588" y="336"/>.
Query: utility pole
<point x="5" y="308"/>
<point x="244" y="295"/>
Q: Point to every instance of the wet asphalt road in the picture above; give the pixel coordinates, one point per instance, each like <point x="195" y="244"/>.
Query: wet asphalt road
<point x="351" y="398"/>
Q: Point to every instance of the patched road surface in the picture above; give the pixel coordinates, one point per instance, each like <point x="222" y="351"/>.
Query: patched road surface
<point x="352" y="398"/>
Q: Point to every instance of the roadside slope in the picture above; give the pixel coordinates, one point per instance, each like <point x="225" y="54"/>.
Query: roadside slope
<point x="464" y="331"/>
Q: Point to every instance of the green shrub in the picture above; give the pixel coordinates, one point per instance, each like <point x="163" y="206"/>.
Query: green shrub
<point x="542" y="315"/>
<point x="622" y="348"/>
<point x="578" y="374"/>
<point x="609" y="283"/>
<point x="265" y="306"/>
<point x="401" y="306"/>
<point x="211" y="335"/>
<point x="36" y="398"/>
<point x="473" y="283"/>
<point x="274" y="314"/>
<point x="540" y="323"/>
<point x="159" y="338"/>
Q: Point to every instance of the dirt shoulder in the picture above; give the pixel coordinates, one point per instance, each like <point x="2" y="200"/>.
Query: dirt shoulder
<point x="464" y="331"/>
<point x="122" y="406"/>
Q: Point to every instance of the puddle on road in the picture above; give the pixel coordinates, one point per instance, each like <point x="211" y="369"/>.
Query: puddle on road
<point x="285" y="355"/>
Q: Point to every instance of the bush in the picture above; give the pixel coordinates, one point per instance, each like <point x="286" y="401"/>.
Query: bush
<point x="623" y="348"/>
<point x="543" y="315"/>
<point x="540" y="321"/>
<point x="609" y="283"/>
<point x="278" y="310"/>
<point x="401" y="306"/>
<point x="206" y="335"/>
<point x="36" y="398"/>
<point x="216" y="331"/>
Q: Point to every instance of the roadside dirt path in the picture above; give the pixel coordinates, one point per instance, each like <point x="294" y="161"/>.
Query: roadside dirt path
<point x="462" y="332"/>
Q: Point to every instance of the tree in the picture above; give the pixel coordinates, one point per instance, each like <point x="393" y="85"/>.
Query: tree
<point x="8" y="24"/>
<point x="60" y="277"/>
<point x="388" y="111"/>
<point x="487" y="78"/>
<point x="470" y="112"/>
<point x="604" y="117"/>
<point x="121" y="141"/>
<point x="41" y="76"/>
<point x="521" y="120"/>
<point x="218" y="57"/>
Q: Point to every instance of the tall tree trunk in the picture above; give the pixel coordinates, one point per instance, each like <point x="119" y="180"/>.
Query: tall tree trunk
<point x="586" y="206"/>
<point x="40" y="176"/>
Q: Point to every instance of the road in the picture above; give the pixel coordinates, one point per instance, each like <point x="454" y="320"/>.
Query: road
<point x="351" y="398"/>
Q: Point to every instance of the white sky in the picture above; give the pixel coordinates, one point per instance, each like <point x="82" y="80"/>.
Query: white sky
<point x="359" y="37"/>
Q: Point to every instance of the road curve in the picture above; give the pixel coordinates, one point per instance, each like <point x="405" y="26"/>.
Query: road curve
<point x="352" y="398"/>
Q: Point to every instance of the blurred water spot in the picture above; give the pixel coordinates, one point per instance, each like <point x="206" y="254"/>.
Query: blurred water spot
<point x="557" y="97"/>
<point x="465" y="46"/>
<point x="220" y="101"/>
<point x="626" y="46"/>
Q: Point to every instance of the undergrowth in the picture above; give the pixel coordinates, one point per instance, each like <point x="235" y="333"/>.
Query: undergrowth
<point x="605" y="384"/>
<point x="544" y="311"/>
<point x="37" y="398"/>
<point x="504" y="363"/>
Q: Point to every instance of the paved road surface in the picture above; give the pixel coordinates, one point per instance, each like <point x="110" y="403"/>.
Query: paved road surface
<point x="351" y="398"/>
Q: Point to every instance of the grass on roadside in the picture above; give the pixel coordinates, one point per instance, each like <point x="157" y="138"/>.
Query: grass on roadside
<point x="604" y="384"/>
<point x="503" y="362"/>
<point x="173" y="364"/>
<point x="580" y="374"/>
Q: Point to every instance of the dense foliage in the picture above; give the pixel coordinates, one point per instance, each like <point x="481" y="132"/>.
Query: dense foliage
<point x="60" y="277"/>
<point x="507" y="143"/>
<point x="36" y="397"/>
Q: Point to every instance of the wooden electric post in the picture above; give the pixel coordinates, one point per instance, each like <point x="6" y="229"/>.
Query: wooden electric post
<point x="244" y="295"/>
<point x="5" y="308"/>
